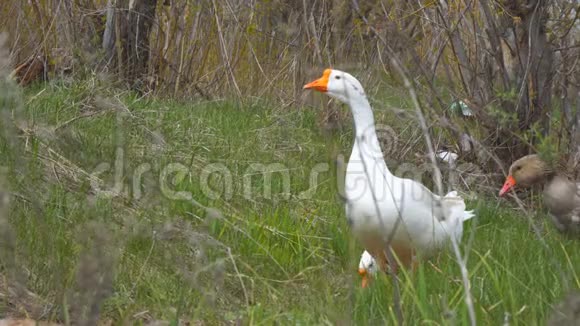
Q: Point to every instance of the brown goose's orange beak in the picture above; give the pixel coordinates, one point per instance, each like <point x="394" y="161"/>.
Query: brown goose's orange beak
<point x="510" y="182"/>
<point x="321" y="84"/>
<point x="365" y="279"/>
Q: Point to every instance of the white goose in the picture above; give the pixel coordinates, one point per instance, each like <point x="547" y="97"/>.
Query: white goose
<point x="383" y="209"/>
<point x="367" y="267"/>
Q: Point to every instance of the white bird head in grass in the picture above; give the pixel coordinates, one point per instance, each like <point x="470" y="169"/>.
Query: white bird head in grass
<point x="337" y="84"/>
<point x="367" y="267"/>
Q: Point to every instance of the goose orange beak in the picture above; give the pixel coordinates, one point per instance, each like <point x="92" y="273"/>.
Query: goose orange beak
<point x="365" y="279"/>
<point x="510" y="182"/>
<point x="321" y="84"/>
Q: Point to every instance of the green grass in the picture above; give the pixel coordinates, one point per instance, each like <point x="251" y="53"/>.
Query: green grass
<point x="286" y="259"/>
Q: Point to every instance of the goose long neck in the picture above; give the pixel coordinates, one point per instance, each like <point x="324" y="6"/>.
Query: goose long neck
<point x="364" y="121"/>
<point x="366" y="146"/>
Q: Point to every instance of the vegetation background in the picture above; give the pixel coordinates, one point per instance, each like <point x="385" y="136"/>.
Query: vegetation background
<point x="99" y="98"/>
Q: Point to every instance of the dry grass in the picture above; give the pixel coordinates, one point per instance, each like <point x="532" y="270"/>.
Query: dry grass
<point x="144" y="257"/>
<point x="215" y="49"/>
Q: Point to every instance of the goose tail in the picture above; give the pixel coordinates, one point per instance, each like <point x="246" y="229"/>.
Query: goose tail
<point x="467" y="215"/>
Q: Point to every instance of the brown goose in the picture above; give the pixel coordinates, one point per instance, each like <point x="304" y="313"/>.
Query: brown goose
<point x="561" y="195"/>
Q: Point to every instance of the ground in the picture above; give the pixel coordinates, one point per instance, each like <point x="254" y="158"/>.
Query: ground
<point x="118" y="204"/>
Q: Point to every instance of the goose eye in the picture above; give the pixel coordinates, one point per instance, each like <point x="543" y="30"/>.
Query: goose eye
<point x="337" y="77"/>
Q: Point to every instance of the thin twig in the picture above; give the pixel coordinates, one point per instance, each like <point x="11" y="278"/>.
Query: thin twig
<point x="423" y="124"/>
<point x="225" y="51"/>
<point x="229" y="251"/>
<point x="142" y="269"/>
<point x="395" y="62"/>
